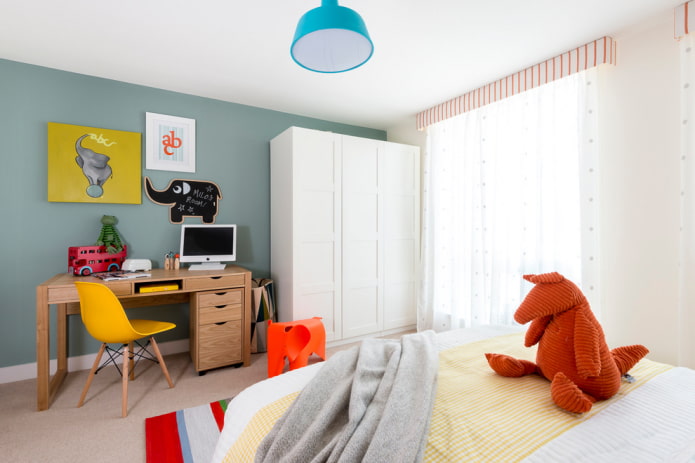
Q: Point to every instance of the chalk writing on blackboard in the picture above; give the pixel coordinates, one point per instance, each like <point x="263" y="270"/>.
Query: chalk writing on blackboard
<point x="187" y="198"/>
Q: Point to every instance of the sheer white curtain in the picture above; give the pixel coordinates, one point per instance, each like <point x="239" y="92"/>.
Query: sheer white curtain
<point x="509" y="189"/>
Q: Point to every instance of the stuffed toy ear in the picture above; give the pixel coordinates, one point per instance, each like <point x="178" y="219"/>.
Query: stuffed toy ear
<point x="552" y="277"/>
<point x="551" y="295"/>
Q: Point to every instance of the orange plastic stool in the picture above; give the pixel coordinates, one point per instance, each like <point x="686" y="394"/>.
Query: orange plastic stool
<point x="295" y="341"/>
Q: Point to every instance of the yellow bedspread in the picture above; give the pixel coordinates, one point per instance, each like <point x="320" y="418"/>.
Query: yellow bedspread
<point x="478" y="415"/>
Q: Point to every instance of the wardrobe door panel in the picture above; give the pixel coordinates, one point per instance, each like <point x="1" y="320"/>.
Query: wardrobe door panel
<point x="318" y="302"/>
<point x="401" y="194"/>
<point x="315" y="216"/>
<point x="316" y="267"/>
<point x="361" y="230"/>
<point x="360" y="310"/>
<point x="400" y="309"/>
<point x="305" y="227"/>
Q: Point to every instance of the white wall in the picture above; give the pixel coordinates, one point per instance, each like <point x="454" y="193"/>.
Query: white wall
<point x="406" y="133"/>
<point x="639" y="190"/>
<point x="639" y="144"/>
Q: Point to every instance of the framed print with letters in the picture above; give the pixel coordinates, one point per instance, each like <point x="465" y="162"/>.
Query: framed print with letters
<point x="170" y="143"/>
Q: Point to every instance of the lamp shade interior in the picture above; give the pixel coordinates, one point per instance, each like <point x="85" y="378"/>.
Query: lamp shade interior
<point x="331" y="38"/>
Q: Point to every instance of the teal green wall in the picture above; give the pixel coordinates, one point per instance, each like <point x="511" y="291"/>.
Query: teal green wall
<point x="232" y="151"/>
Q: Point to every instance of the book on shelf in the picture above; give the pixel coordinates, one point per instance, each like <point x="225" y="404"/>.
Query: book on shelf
<point x="121" y="275"/>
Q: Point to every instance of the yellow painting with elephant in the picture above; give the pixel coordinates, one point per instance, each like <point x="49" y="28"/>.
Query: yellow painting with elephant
<point x="87" y="164"/>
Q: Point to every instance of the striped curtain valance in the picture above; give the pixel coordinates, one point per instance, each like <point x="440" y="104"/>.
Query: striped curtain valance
<point x="684" y="19"/>
<point x="592" y="54"/>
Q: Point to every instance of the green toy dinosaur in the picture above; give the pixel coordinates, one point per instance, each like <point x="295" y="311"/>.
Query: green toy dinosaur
<point x="109" y="235"/>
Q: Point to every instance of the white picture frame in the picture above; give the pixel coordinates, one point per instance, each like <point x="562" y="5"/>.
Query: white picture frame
<point x="170" y="143"/>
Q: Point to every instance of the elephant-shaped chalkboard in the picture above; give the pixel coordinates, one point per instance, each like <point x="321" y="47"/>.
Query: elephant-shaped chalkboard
<point x="188" y="198"/>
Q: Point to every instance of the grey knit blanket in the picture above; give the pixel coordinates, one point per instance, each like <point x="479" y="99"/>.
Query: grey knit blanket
<point x="370" y="403"/>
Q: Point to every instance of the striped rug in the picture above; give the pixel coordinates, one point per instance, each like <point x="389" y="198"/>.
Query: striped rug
<point x="185" y="436"/>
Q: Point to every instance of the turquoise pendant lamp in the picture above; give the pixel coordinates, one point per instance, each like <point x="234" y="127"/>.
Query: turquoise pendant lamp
<point x="331" y="38"/>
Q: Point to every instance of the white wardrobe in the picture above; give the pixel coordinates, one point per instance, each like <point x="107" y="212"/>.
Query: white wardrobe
<point x="345" y="231"/>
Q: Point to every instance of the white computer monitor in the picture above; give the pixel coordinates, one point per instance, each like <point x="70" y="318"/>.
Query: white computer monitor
<point x="208" y="246"/>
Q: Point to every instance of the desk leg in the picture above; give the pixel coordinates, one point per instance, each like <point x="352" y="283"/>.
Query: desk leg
<point x="42" y="347"/>
<point x="62" y="352"/>
<point x="45" y="386"/>
<point x="62" y="327"/>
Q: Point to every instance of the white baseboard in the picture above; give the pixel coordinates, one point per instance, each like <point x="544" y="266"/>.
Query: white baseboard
<point x="81" y="362"/>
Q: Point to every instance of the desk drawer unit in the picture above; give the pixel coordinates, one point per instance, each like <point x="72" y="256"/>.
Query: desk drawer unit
<point x="216" y="328"/>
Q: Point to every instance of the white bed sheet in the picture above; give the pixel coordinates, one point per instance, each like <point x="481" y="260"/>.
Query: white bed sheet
<point x="635" y="428"/>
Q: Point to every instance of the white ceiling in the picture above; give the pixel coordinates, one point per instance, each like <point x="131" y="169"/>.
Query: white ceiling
<point x="426" y="51"/>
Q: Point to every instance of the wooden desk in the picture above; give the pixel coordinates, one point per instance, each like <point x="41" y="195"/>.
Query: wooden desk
<point x="197" y="288"/>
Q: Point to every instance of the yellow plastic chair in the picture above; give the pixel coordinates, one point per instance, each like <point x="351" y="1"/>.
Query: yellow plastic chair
<point x="105" y="319"/>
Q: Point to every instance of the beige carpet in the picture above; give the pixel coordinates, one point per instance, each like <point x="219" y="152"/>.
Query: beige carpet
<point x="96" y="432"/>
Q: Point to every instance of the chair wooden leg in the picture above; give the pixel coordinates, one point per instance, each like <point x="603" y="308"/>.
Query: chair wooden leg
<point x="161" y="362"/>
<point x="92" y="372"/>
<point x="132" y="361"/>
<point x="124" y="380"/>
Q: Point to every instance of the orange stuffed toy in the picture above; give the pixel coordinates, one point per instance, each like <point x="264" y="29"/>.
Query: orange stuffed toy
<point x="572" y="350"/>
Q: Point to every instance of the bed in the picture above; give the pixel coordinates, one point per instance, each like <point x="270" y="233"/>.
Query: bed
<point x="477" y="415"/>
